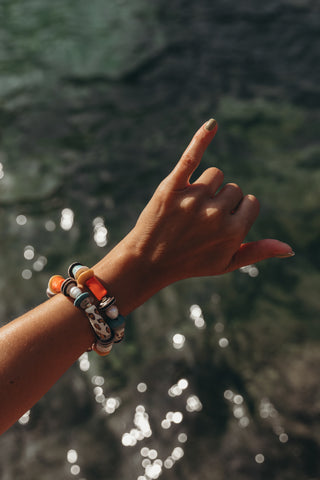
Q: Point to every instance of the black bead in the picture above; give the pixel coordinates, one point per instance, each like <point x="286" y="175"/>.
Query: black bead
<point x="71" y="267"/>
<point x="64" y="287"/>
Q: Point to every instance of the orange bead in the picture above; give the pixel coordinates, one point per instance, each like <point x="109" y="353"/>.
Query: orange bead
<point x="83" y="275"/>
<point x="55" y="283"/>
<point x="79" y="271"/>
<point x="96" y="288"/>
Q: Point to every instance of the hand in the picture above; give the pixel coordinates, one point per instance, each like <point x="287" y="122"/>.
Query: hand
<point x="191" y="230"/>
<point x="186" y="230"/>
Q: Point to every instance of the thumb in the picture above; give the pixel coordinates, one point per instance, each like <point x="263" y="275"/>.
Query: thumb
<point x="254" y="252"/>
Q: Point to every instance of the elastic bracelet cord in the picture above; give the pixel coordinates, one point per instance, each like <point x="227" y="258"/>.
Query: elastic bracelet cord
<point x="104" y="318"/>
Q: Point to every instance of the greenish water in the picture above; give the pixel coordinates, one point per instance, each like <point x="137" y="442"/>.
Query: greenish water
<point x="218" y="378"/>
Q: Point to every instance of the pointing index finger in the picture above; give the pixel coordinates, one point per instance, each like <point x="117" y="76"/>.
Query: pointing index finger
<point x="191" y="157"/>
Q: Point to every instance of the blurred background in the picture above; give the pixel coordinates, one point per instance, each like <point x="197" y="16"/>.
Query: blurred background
<point x="218" y="378"/>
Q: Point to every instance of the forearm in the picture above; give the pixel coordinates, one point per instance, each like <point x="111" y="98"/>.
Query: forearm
<point x="35" y="350"/>
<point x="38" y="347"/>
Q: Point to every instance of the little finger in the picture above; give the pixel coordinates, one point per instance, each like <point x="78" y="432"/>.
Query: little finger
<point x="247" y="212"/>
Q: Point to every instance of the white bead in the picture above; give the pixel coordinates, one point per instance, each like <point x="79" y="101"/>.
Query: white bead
<point x="112" y="312"/>
<point x="75" y="292"/>
<point x="103" y="348"/>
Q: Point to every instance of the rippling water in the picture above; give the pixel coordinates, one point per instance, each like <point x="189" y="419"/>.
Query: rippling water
<point x="217" y="378"/>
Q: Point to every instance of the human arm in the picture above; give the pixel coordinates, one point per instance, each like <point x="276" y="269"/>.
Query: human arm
<point x="186" y="230"/>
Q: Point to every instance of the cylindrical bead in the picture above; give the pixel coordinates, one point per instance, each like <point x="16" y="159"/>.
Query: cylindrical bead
<point x="67" y="285"/>
<point x="55" y="283"/>
<point x="96" y="287"/>
<point x="80" y="298"/>
<point x="83" y="275"/>
<point x="79" y="272"/>
<point x="102" y="349"/>
<point x="71" y="267"/>
<point x="50" y="293"/>
<point x="74" y="292"/>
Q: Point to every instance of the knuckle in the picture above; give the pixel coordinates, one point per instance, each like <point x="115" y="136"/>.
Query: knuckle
<point x="216" y="172"/>
<point x="234" y="186"/>
<point x="254" y="201"/>
<point x="188" y="161"/>
<point x="188" y="203"/>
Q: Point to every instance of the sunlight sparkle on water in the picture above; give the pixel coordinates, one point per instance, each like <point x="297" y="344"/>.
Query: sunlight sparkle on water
<point x="197" y="317"/>
<point x="177" y="389"/>
<point x="26" y="274"/>
<point x="238" y="399"/>
<point x="40" y="263"/>
<point x="50" y="225"/>
<point x="219" y="327"/>
<point x="142" y="430"/>
<point x="28" y="252"/>
<point x="25" y="418"/>
<point x="153" y="471"/>
<point x="97" y="380"/>
<point x="144" y="451"/>
<point x="178" y="341"/>
<point x="182" y="437"/>
<point x="177" y="453"/>
<point x="67" y="218"/>
<point x="100" y="232"/>
<point x="142" y="387"/>
<point x="259" y="458"/>
<point x="193" y="404"/>
<point x="223" y="342"/>
<point x="152" y="454"/>
<point x="168" y="463"/>
<point x="75" y="470"/>
<point x="283" y="437"/>
<point x="238" y="407"/>
<point x="84" y="363"/>
<point x="21" y="219"/>
<point x="228" y="394"/>
<point x="183" y="383"/>
<point x="72" y="455"/>
<point x="111" y="404"/>
<point x="250" y="270"/>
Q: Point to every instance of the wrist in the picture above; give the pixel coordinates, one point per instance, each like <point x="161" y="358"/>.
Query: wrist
<point x="127" y="274"/>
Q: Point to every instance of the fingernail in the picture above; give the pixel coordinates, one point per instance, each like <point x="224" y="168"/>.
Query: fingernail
<point x="286" y="255"/>
<point x="210" y="124"/>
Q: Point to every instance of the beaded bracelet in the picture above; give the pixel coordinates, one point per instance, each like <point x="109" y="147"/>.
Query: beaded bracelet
<point x="107" y="324"/>
<point x="85" y="278"/>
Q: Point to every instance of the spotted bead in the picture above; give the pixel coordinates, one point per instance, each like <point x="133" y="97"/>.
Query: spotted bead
<point x="117" y="325"/>
<point x="100" y="327"/>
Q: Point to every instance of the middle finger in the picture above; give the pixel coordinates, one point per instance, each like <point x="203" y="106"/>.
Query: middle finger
<point x="229" y="197"/>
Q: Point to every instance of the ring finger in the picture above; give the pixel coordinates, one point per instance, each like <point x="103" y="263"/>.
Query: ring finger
<point x="229" y="197"/>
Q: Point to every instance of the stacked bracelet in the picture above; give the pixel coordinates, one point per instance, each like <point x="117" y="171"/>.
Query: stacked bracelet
<point x="104" y="318"/>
